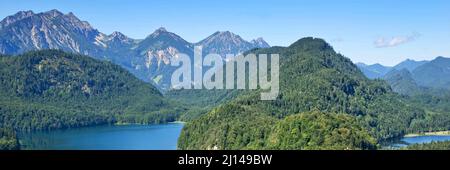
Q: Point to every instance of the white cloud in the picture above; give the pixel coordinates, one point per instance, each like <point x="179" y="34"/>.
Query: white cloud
<point x="383" y="42"/>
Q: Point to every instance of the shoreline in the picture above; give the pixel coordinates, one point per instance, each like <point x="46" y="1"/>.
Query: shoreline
<point x="437" y="133"/>
<point x="178" y="122"/>
<point x="174" y="122"/>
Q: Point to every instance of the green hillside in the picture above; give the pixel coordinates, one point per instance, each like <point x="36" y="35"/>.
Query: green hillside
<point x="439" y="68"/>
<point x="8" y="139"/>
<point x="51" y="89"/>
<point x="430" y="146"/>
<point x="402" y="82"/>
<point x="314" y="80"/>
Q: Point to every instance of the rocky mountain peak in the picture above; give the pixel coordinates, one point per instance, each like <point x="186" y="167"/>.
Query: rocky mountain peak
<point x="161" y="29"/>
<point x="118" y="35"/>
<point x="148" y="58"/>
<point x="22" y="14"/>
<point x="227" y="35"/>
<point x="16" y="17"/>
<point x="224" y="37"/>
<point x="53" y="13"/>
<point x="163" y="36"/>
<point x="226" y="42"/>
<point x="52" y="29"/>
<point x="260" y="42"/>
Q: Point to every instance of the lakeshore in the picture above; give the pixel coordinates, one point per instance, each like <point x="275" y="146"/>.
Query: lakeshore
<point x="437" y="133"/>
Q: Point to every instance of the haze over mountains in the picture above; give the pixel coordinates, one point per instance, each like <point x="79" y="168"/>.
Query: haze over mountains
<point x="378" y="71"/>
<point x="325" y="101"/>
<point x="373" y="71"/>
<point x="225" y="42"/>
<point x="148" y="59"/>
<point x="410" y="76"/>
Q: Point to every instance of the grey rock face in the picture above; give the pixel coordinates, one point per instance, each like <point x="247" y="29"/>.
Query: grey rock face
<point x="148" y="59"/>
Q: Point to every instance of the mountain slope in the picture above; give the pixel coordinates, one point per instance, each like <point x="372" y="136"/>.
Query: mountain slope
<point x="412" y="77"/>
<point x="409" y="65"/>
<point x="159" y="48"/>
<point x="260" y="43"/>
<point x="226" y="42"/>
<point x="373" y="71"/>
<point x="155" y="54"/>
<point x="434" y="99"/>
<point x="27" y="31"/>
<point x="313" y="78"/>
<point x="402" y="82"/>
<point x="147" y="59"/>
<point x="51" y="89"/>
<point x="439" y="68"/>
<point x="379" y="71"/>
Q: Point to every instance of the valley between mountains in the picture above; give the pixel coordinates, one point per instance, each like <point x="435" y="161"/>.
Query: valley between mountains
<point x="58" y="72"/>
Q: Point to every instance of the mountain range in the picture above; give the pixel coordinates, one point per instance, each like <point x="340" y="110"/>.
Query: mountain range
<point x="373" y="71"/>
<point x="325" y="102"/>
<point x="402" y="81"/>
<point x="148" y="59"/>
<point x="435" y="73"/>
<point x="409" y="76"/>
<point x="378" y="71"/>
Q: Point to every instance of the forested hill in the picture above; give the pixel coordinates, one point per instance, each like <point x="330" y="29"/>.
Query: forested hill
<point x="51" y="89"/>
<point x="324" y="102"/>
<point x="8" y="139"/>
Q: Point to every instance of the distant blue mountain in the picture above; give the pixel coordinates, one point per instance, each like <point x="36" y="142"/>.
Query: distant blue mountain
<point x="435" y="73"/>
<point x="379" y="71"/>
<point x="409" y="65"/>
<point x="410" y="77"/>
<point x="373" y="71"/>
<point x="402" y="81"/>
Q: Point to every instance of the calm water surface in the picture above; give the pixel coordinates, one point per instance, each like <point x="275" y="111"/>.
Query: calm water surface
<point x="405" y="141"/>
<point x="139" y="137"/>
<point x="111" y="137"/>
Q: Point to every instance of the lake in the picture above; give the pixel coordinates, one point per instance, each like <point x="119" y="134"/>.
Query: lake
<point x="110" y="137"/>
<point x="405" y="141"/>
<point x="141" y="137"/>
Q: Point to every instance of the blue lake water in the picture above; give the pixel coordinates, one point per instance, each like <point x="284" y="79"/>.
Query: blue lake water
<point x="112" y="137"/>
<point x="425" y="139"/>
<point x="138" y="137"/>
<point x="405" y="141"/>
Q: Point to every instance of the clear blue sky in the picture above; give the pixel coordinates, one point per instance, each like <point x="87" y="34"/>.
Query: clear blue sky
<point x="383" y="31"/>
